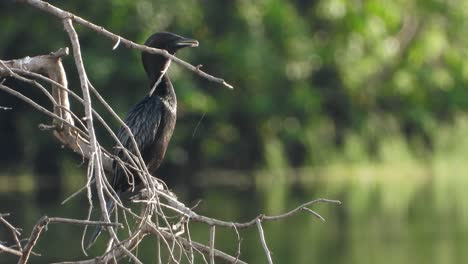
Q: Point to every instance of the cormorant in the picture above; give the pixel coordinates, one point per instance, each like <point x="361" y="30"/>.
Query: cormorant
<point x="152" y="120"/>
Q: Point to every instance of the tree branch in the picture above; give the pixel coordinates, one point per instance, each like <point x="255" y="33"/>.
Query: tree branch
<point x="44" y="221"/>
<point x="96" y="153"/>
<point x="51" y="9"/>
<point x="262" y="239"/>
<point x="15" y="232"/>
<point x="10" y="250"/>
<point x="211" y="243"/>
<point x="181" y="208"/>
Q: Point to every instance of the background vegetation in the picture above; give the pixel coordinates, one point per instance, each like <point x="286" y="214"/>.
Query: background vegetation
<point x="363" y="101"/>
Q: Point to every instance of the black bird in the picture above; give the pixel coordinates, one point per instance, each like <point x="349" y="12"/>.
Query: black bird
<point x="152" y="120"/>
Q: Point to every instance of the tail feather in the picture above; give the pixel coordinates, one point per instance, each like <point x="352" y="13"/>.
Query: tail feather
<point x="97" y="231"/>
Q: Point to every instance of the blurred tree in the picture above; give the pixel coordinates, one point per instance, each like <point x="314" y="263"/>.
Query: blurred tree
<point x="307" y="73"/>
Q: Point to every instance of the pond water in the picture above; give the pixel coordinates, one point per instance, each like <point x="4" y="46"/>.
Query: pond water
<point x="394" y="221"/>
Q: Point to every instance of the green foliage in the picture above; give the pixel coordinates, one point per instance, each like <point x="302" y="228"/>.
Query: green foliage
<point x="309" y="75"/>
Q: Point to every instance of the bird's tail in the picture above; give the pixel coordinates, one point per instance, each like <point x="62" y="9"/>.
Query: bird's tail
<point x="97" y="231"/>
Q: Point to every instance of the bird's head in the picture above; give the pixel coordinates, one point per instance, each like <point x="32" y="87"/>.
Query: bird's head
<point x="169" y="41"/>
<point x="154" y="63"/>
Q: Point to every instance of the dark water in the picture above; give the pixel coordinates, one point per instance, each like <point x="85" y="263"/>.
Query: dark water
<point x="363" y="230"/>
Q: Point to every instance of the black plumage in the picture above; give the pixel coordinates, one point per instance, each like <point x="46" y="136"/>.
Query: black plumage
<point x="152" y="120"/>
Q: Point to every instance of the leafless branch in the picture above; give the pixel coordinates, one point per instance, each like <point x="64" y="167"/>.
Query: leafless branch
<point x="212" y="221"/>
<point x="44" y="221"/>
<point x="5" y="108"/>
<point x="10" y="250"/>
<point x="157" y="201"/>
<point x="211" y="243"/>
<point x="62" y="220"/>
<point x="47" y="7"/>
<point x="34" y="104"/>
<point x="15" y="232"/>
<point x="239" y="240"/>
<point x="262" y="239"/>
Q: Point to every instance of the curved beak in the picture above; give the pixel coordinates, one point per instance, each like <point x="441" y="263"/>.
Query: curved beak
<point x="186" y="42"/>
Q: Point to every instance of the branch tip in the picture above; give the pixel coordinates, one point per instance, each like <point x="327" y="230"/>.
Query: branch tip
<point x="228" y="85"/>
<point x="314" y="213"/>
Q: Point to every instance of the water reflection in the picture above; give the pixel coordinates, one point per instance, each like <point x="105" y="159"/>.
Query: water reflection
<point x="363" y="230"/>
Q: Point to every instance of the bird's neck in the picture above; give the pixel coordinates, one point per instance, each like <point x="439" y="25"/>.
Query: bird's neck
<point x="164" y="90"/>
<point x="160" y="86"/>
<point x="156" y="70"/>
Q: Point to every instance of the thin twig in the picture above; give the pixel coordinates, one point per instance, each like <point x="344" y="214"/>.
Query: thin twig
<point x="5" y="108"/>
<point x="82" y="222"/>
<point x="179" y="207"/>
<point x="10" y="250"/>
<point x="262" y="239"/>
<point x="313" y="213"/>
<point x="44" y="221"/>
<point x="239" y="240"/>
<point x="202" y="248"/>
<point x="37" y="106"/>
<point x="38" y="85"/>
<point x="14" y="232"/>
<point x="189" y="239"/>
<point x="211" y="243"/>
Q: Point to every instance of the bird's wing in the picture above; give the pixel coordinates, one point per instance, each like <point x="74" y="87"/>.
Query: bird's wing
<point x="143" y="120"/>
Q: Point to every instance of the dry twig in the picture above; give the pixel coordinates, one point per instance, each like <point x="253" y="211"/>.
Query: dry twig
<point x="262" y="239"/>
<point x="15" y="232"/>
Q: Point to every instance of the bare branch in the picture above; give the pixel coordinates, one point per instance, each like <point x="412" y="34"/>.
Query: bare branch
<point x="14" y="232"/>
<point x="47" y="7"/>
<point x="43" y="222"/>
<point x="36" y="232"/>
<point x="10" y="250"/>
<point x="89" y="119"/>
<point x="179" y="207"/>
<point x="81" y="222"/>
<point x="262" y="239"/>
<point x="34" y="104"/>
<point x="211" y="243"/>
<point x="5" y="108"/>
<point x="117" y="252"/>
<point x="313" y="213"/>
<point x="239" y="240"/>
<point x="88" y="111"/>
